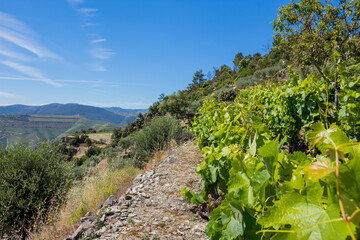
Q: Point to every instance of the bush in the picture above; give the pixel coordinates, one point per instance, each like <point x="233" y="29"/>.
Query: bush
<point x="118" y="163"/>
<point x="225" y="94"/>
<point x="33" y="182"/>
<point x="157" y="136"/>
<point x="126" y="143"/>
<point x="193" y="107"/>
<point x="93" y="151"/>
<point x="79" y="172"/>
<point x="80" y="161"/>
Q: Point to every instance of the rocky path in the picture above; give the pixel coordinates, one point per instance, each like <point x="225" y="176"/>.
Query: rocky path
<point x="152" y="208"/>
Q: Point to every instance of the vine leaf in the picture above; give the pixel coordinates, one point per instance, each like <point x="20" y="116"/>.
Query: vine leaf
<point x="319" y="169"/>
<point x="327" y="140"/>
<point x="228" y="218"/>
<point x="269" y="155"/>
<point x="293" y="213"/>
<point x="349" y="187"/>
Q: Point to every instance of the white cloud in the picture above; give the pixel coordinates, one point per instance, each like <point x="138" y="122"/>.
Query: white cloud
<point x="32" y="72"/>
<point x="88" y="12"/>
<point x="11" y="54"/>
<point x="88" y="24"/>
<point x="75" y="1"/>
<point x="97" y="51"/>
<point x="55" y="80"/>
<point x="98" y="40"/>
<point x="102" y="53"/>
<point x="16" y="32"/>
<point x="97" y="67"/>
<point x="9" y="95"/>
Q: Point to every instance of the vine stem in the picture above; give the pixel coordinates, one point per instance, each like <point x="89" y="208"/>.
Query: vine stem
<point x="354" y="214"/>
<point x="337" y="173"/>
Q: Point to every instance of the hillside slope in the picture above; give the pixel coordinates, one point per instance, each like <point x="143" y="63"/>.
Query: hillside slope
<point x="32" y="129"/>
<point x="70" y="109"/>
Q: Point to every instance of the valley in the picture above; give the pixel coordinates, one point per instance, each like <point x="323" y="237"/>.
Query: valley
<point x="34" y="124"/>
<point x="32" y="129"/>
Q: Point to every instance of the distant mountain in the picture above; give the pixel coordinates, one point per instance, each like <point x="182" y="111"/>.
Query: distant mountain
<point x="71" y="109"/>
<point x="122" y="110"/>
<point x="32" y="129"/>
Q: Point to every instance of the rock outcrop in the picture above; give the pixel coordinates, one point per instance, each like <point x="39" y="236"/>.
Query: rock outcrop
<point x="152" y="207"/>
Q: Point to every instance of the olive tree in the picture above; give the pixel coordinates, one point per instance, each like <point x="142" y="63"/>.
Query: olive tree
<point x="319" y="33"/>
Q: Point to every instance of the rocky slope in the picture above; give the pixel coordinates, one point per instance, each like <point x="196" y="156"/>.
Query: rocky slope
<point x="152" y="207"/>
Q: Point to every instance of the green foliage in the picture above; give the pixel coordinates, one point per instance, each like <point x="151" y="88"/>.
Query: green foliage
<point x="126" y="143"/>
<point x="157" y="136"/>
<point x="33" y="182"/>
<point x="198" y="78"/>
<point x="270" y="193"/>
<point x="320" y="33"/>
<point x="226" y="94"/>
<point x="313" y="30"/>
<point x="119" y="162"/>
<point x="93" y="151"/>
<point x="80" y="161"/>
<point x="174" y="104"/>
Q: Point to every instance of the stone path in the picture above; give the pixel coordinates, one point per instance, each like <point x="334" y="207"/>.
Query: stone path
<point x="152" y="208"/>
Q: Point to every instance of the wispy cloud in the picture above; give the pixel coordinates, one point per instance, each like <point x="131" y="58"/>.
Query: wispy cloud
<point x="12" y="54"/>
<point x="98" y="51"/>
<point x="102" y="53"/>
<point x="88" y="12"/>
<point x="9" y="95"/>
<point x="18" y="43"/>
<point x="75" y="1"/>
<point x="97" y="67"/>
<point x="98" y="40"/>
<point x="30" y="71"/>
<point x="89" y="24"/>
<point x="96" y="83"/>
<point x="16" y="32"/>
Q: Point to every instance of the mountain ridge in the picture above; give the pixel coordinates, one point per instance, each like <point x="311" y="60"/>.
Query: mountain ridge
<point x="113" y="115"/>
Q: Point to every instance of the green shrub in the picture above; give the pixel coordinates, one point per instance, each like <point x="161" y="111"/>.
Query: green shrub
<point x="118" y="163"/>
<point x="79" y="172"/>
<point x="80" y="161"/>
<point x="157" y="136"/>
<point x="93" y="151"/>
<point x="126" y="143"/>
<point x="33" y="182"/>
<point x="225" y="94"/>
<point x="258" y="76"/>
<point x="112" y="152"/>
<point x="193" y="107"/>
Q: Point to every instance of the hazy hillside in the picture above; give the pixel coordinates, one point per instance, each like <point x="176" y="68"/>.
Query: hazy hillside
<point x="122" y="116"/>
<point x="32" y="129"/>
<point x="122" y="110"/>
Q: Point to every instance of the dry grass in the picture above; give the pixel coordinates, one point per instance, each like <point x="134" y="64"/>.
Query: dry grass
<point x="98" y="136"/>
<point x="88" y="194"/>
<point x="85" y="197"/>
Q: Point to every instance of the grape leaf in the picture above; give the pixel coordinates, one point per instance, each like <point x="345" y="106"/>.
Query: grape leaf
<point x="294" y="210"/>
<point x="269" y="155"/>
<point x="327" y="140"/>
<point x="319" y="169"/>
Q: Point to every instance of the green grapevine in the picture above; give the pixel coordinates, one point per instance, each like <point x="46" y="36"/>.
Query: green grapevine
<point x="269" y="191"/>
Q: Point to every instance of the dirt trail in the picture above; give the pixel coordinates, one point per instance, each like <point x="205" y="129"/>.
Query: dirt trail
<point x="153" y="208"/>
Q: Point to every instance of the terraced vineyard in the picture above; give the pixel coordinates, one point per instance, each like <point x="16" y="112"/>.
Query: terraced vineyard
<point x="31" y="129"/>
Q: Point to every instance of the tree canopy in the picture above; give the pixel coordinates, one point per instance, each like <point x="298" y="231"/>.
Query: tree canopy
<point x="313" y="31"/>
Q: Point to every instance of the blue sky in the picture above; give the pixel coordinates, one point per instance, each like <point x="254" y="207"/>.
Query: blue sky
<point x="121" y="53"/>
